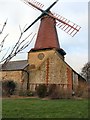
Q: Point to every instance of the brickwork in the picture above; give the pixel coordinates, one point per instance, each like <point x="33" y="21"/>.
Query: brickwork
<point x="69" y="78"/>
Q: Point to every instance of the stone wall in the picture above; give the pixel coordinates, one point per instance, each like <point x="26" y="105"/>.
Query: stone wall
<point x="20" y="77"/>
<point x="34" y="59"/>
<point x="50" y="70"/>
<point x="11" y="75"/>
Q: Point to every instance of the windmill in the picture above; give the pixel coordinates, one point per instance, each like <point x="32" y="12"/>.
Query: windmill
<point x="45" y="66"/>
<point x="63" y="23"/>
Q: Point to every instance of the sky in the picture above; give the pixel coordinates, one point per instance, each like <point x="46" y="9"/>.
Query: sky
<point x="18" y="13"/>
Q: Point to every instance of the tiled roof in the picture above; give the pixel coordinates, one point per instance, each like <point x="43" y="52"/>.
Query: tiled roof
<point x="14" y="65"/>
<point x="47" y="35"/>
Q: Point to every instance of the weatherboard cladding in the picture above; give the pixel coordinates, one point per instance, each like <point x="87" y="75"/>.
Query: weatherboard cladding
<point x="14" y="65"/>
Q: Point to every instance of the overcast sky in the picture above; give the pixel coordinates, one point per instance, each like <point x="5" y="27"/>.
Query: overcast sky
<point x="18" y="13"/>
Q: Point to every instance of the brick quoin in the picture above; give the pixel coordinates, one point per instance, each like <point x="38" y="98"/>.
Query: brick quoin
<point x="47" y="71"/>
<point x="69" y="78"/>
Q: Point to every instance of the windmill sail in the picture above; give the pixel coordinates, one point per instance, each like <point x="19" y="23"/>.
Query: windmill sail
<point x="34" y="4"/>
<point x="66" y="25"/>
<point x="63" y="23"/>
<point x="44" y="12"/>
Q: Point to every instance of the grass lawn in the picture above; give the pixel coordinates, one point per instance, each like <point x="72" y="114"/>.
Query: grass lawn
<point x="37" y="108"/>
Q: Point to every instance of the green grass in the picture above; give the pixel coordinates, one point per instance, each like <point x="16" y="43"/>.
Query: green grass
<point x="37" y="108"/>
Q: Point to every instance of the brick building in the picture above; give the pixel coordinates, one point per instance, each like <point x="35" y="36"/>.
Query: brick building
<point x="45" y="63"/>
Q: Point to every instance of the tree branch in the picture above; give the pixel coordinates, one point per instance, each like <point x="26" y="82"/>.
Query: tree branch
<point x="19" y="46"/>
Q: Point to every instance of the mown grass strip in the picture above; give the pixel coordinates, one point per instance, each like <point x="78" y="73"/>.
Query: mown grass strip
<point x="38" y="108"/>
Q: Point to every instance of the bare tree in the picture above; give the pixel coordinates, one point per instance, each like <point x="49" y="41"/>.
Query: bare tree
<point x="19" y="46"/>
<point x="86" y="72"/>
<point x="2" y="29"/>
<point x="3" y="40"/>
